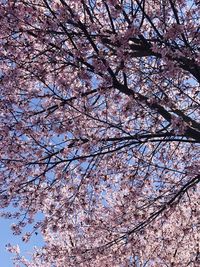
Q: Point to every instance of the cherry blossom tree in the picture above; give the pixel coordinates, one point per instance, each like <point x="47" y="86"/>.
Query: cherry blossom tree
<point x="100" y="130"/>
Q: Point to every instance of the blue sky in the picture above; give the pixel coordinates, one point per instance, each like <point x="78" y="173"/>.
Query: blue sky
<point x="6" y="237"/>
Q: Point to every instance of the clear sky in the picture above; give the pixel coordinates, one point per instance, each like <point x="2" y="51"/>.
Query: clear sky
<point x="6" y="237"/>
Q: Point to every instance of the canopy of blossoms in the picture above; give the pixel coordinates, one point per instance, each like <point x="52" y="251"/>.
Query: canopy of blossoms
<point x="100" y="130"/>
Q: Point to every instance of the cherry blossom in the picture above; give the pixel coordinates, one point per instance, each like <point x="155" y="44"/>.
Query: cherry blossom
<point x="100" y="131"/>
